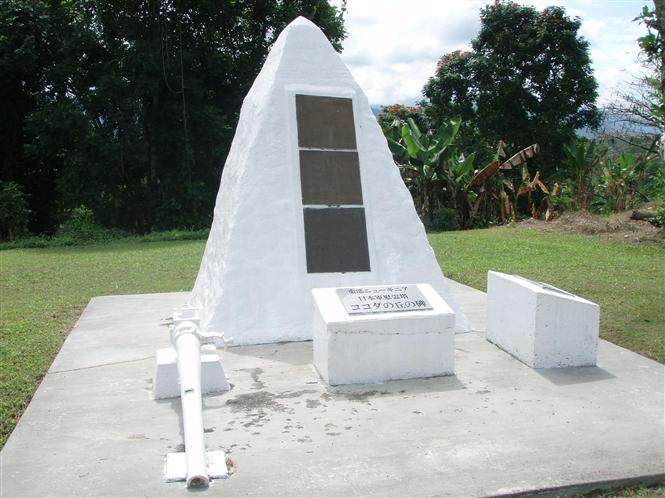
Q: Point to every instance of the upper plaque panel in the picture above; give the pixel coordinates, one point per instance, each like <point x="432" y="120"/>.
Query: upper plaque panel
<point x="325" y="122"/>
<point x="330" y="177"/>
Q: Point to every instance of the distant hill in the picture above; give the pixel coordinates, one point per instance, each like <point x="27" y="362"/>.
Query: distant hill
<point x="614" y="124"/>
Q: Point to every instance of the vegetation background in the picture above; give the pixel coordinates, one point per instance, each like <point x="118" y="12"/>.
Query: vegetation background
<point x="128" y="108"/>
<point x="117" y="118"/>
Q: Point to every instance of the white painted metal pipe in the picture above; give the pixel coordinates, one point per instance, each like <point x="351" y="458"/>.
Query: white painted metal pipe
<point x="187" y="343"/>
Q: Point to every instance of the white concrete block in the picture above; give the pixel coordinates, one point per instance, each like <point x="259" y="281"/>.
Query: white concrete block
<point x="353" y="349"/>
<point x="165" y="383"/>
<point x="175" y="467"/>
<point x="540" y="325"/>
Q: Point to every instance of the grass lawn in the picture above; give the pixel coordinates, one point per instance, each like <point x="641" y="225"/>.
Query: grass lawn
<point x="627" y="280"/>
<point x="43" y="291"/>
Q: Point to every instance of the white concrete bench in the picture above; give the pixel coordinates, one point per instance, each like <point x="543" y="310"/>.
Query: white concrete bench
<point x="540" y="325"/>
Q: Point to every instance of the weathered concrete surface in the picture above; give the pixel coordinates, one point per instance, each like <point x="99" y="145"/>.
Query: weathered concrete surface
<point x="542" y="326"/>
<point x="496" y="427"/>
<point x="371" y="348"/>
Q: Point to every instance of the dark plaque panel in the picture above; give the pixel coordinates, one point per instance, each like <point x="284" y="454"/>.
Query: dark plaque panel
<point x="329" y="178"/>
<point x="325" y="122"/>
<point x="336" y="240"/>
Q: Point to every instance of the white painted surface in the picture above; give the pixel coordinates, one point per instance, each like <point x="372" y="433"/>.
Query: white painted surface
<point x="165" y="381"/>
<point x="353" y="349"/>
<point x="175" y="467"/>
<point x="542" y="327"/>
<point x="253" y="282"/>
<point x="188" y="346"/>
<point x="187" y="341"/>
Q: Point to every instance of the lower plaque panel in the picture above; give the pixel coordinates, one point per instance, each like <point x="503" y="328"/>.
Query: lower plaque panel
<point x="336" y="240"/>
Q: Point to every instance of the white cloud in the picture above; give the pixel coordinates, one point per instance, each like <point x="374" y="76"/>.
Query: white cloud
<point x="393" y="45"/>
<point x="614" y="51"/>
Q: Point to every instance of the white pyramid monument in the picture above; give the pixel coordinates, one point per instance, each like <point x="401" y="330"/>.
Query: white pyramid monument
<point x="310" y="197"/>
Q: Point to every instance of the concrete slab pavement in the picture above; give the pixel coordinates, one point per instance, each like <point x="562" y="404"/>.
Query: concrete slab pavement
<point x="495" y="428"/>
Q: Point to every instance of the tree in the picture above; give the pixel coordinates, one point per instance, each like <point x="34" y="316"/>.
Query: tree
<point x="26" y="39"/>
<point x="653" y="43"/>
<point x="528" y="78"/>
<point x="134" y="108"/>
<point x="13" y="211"/>
<point x="639" y="105"/>
<point x="392" y="117"/>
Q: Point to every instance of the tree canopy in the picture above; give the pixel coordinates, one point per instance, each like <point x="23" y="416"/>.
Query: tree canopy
<point x="653" y="48"/>
<point x="129" y="108"/>
<point x="528" y="79"/>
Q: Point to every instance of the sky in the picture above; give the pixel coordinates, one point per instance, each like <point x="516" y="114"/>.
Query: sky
<point x="392" y="45"/>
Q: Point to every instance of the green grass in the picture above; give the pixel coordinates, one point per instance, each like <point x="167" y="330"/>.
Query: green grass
<point x="657" y="490"/>
<point x="626" y="280"/>
<point x="43" y="291"/>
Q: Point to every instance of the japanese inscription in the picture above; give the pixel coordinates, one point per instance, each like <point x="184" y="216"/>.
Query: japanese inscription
<point x="547" y="287"/>
<point x="382" y="299"/>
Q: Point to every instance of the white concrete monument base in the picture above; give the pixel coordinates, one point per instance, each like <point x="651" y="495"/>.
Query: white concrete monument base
<point x="371" y="348"/>
<point x="540" y="325"/>
<point x="166" y="384"/>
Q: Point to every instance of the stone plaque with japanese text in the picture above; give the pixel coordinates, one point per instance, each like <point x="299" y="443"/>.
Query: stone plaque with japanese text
<point x="383" y="299"/>
<point x="545" y="286"/>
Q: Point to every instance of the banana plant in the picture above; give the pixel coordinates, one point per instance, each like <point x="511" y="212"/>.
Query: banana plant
<point x="465" y="200"/>
<point x="581" y="161"/>
<point x="489" y="181"/>
<point x="481" y="176"/>
<point x="526" y="187"/>
<point x="424" y="160"/>
<point x="616" y="181"/>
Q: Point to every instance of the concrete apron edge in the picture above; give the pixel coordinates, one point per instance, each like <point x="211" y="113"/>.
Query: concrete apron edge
<point x="587" y="487"/>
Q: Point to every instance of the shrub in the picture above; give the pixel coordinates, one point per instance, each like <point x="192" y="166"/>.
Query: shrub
<point x="80" y="226"/>
<point x="652" y="185"/>
<point x="13" y="211"/>
<point x="565" y="199"/>
<point x="659" y="219"/>
<point x="445" y="219"/>
<point x="169" y="235"/>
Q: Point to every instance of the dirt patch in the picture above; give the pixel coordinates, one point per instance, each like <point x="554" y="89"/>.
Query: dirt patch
<point x="617" y="226"/>
<point x="358" y="396"/>
<point x="264" y="400"/>
<point x="255" y="373"/>
<point x="255" y="401"/>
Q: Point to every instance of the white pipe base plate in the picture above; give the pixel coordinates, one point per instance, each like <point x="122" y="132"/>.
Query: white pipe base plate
<point x="165" y="382"/>
<point x="176" y="466"/>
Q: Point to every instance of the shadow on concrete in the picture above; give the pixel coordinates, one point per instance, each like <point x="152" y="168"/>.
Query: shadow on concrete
<point x="574" y="375"/>
<point x="176" y="406"/>
<point x="363" y="392"/>
<point x="292" y="353"/>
